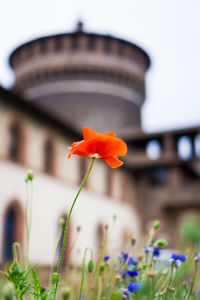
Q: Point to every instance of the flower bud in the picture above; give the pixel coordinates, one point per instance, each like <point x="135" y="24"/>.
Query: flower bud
<point x="117" y="278"/>
<point x="114" y="217"/>
<point x="78" y="228"/>
<point x="101" y="267"/>
<point x="156" y="224"/>
<point x="151" y="273"/>
<point x="54" y="277"/>
<point x="161" y="243"/>
<point x="133" y="241"/>
<point x="65" y="293"/>
<point x="140" y="256"/>
<point x="90" y="266"/>
<point x="62" y="222"/>
<point x="8" y="291"/>
<point x="29" y="175"/>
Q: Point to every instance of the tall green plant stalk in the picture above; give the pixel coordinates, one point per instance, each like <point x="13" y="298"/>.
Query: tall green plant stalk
<point x="83" y="270"/>
<point x="61" y="226"/>
<point x="28" y="211"/>
<point x="66" y="227"/>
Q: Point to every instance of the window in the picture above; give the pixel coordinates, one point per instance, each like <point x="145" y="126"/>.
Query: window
<point x="153" y="149"/>
<point x="185" y="147"/>
<point x="12" y="229"/>
<point x="49" y="157"/>
<point x="15" y="142"/>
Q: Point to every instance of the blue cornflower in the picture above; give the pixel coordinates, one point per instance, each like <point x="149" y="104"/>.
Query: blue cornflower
<point x="134" y="286"/>
<point x="176" y="259"/>
<point x="123" y="256"/>
<point x="106" y="258"/>
<point x="180" y="257"/>
<point x="132" y="273"/>
<point x="156" y="251"/>
<point x="132" y="261"/>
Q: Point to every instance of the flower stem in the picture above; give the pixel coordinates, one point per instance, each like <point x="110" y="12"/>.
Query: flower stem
<point x="67" y="225"/>
<point x="28" y="217"/>
<point x="83" y="271"/>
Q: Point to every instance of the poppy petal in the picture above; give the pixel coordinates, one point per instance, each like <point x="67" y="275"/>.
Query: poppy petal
<point x="89" y="133"/>
<point x="111" y="133"/>
<point x="79" y="148"/>
<point x="107" y="146"/>
<point x="113" y="161"/>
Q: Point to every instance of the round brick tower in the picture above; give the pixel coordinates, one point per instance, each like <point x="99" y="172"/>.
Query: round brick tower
<point x="83" y="78"/>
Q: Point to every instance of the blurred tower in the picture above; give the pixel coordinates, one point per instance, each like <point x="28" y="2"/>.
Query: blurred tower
<point x="83" y="79"/>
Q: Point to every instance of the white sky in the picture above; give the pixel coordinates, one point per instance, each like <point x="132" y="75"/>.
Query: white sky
<point x="169" y="30"/>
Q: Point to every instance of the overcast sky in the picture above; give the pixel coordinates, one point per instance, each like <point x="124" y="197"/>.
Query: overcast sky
<point x="169" y="30"/>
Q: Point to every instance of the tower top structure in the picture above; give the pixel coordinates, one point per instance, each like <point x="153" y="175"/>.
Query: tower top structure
<point x="84" y="78"/>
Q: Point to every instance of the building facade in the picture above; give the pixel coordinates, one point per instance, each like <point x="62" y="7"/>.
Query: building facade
<point x="63" y="82"/>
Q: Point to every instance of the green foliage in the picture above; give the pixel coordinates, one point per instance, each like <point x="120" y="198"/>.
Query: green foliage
<point x="191" y="232"/>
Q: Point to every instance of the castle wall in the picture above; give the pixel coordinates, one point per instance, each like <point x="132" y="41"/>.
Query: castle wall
<point x="54" y="192"/>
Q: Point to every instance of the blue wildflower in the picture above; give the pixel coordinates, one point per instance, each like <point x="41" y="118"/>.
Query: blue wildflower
<point x="134" y="286"/>
<point x="132" y="273"/>
<point x="176" y="259"/>
<point x="180" y="257"/>
<point x="106" y="258"/>
<point x="132" y="261"/>
<point x="156" y="251"/>
<point x="123" y="256"/>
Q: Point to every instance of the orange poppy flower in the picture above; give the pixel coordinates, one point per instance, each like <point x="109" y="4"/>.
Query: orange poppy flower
<point x="104" y="146"/>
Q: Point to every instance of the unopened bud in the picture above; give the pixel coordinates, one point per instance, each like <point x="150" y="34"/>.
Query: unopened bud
<point x="90" y="266"/>
<point x="133" y="241"/>
<point x="156" y="224"/>
<point x="140" y="256"/>
<point x="29" y="175"/>
<point x="78" y="228"/>
<point x="117" y="278"/>
<point x="54" y="277"/>
<point x="151" y="273"/>
<point x="8" y="291"/>
<point x="65" y="293"/>
<point x="101" y="267"/>
<point x="62" y="222"/>
<point x="161" y="243"/>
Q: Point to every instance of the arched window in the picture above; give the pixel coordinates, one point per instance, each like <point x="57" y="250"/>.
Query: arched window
<point x="15" y="142"/>
<point x="100" y="236"/>
<point x="184" y="147"/>
<point x="153" y="149"/>
<point x="12" y="229"/>
<point x="49" y="157"/>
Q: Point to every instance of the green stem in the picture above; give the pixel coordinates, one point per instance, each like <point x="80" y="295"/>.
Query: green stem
<point x="67" y="225"/>
<point x="99" y="289"/>
<point x="16" y="246"/>
<point x="193" y="281"/>
<point x="28" y="217"/>
<point x="56" y="251"/>
<point x="83" y="270"/>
